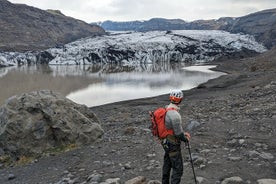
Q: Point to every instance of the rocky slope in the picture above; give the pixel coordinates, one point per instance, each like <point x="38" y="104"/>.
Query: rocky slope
<point x="231" y="120"/>
<point x="25" y="28"/>
<point x="137" y="47"/>
<point x="260" y="24"/>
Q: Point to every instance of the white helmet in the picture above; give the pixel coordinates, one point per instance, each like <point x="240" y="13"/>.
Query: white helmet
<point x="176" y="96"/>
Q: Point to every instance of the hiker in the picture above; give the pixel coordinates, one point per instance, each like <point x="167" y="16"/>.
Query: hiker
<point x="171" y="144"/>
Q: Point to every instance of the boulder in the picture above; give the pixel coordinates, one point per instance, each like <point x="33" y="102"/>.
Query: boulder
<point x="35" y="122"/>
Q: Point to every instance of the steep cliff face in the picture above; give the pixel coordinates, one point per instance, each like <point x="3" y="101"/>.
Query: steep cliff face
<point x="261" y="24"/>
<point x="27" y="28"/>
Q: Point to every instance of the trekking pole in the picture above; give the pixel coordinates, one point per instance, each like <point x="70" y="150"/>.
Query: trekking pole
<point x="192" y="163"/>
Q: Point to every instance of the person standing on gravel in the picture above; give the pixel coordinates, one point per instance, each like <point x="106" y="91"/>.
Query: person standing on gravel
<point x="171" y="144"/>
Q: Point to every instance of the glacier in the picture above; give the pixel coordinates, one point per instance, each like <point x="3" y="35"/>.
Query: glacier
<point x="140" y="47"/>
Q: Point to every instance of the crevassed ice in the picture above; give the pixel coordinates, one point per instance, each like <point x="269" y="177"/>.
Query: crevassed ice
<point x="144" y="47"/>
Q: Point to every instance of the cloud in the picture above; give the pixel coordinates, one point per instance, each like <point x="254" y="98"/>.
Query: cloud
<point x="187" y="10"/>
<point x="126" y="10"/>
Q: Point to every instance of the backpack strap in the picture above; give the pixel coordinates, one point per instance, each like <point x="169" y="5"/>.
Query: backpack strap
<point x="171" y="137"/>
<point x="171" y="108"/>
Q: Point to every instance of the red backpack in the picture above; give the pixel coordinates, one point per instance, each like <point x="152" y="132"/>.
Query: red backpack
<point x="158" y="127"/>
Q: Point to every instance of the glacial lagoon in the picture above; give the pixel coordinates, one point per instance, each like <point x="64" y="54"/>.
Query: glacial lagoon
<point x="95" y="85"/>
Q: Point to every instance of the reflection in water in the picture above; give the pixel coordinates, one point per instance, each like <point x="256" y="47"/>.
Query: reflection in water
<point x="150" y="68"/>
<point x="18" y="80"/>
<point x="139" y="82"/>
<point x="100" y="84"/>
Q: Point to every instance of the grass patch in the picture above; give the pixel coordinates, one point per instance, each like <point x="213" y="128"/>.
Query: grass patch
<point x="24" y="160"/>
<point x="7" y="160"/>
<point x="61" y="149"/>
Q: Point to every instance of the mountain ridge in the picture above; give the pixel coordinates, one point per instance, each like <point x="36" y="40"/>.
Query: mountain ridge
<point x="261" y="24"/>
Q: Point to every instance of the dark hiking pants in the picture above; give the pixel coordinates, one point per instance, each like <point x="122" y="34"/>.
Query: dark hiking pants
<point x="172" y="161"/>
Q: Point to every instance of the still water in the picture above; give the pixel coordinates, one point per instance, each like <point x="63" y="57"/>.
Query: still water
<point x="101" y="84"/>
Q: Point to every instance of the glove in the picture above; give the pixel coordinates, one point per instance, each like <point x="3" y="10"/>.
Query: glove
<point x="187" y="136"/>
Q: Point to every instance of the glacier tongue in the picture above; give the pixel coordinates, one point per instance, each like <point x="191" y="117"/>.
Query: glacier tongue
<point x="146" y="47"/>
<point x="129" y="47"/>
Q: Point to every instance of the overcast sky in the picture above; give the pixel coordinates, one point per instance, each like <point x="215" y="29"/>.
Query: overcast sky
<point x="127" y="10"/>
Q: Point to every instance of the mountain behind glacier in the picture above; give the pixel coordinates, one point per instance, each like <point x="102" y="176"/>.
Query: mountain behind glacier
<point x="139" y="47"/>
<point x="261" y="24"/>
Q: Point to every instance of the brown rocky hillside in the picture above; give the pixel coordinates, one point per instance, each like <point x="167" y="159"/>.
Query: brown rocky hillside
<point x="27" y="28"/>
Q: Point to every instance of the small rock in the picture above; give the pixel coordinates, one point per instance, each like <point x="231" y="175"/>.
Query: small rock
<point x="232" y="180"/>
<point x="241" y="141"/>
<point x="266" y="156"/>
<point x="268" y="86"/>
<point x="149" y="167"/>
<point x="1" y="152"/>
<point x="95" y="177"/>
<point x="70" y="175"/>
<point x="113" y="181"/>
<point x="66" y="172"/>
<point x="137" y="180"/>
<point x="11" y="177"/>
<point x="234" y="158"/>
<point x="266" y="181"/>
<point x="215" y="146"/>
<point x="127" y="166"/>
<point x="202" y="166"/>
<point x="273" y="83"/>
<point x="237" y="136"/>
<point x="200" y="161"/>
<point x="205" y="151"/>
<point x="151" y="155"/>
<point x="192" y="125"/>
<point x="200" y="180"/>
<point x="154" y="182"/>
<point x="129" y="131"/>
<point x="113" y="151"/>
<point x="253" y="154"/>
<point x="107" y="163"/>
<point x="231" y="143"/>
<point x="258" y="144"/>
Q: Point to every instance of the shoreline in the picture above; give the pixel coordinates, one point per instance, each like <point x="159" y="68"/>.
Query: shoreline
<point x="235" y="134"/>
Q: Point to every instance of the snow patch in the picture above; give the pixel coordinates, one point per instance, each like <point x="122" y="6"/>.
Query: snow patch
<point x="198" y="68"/>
